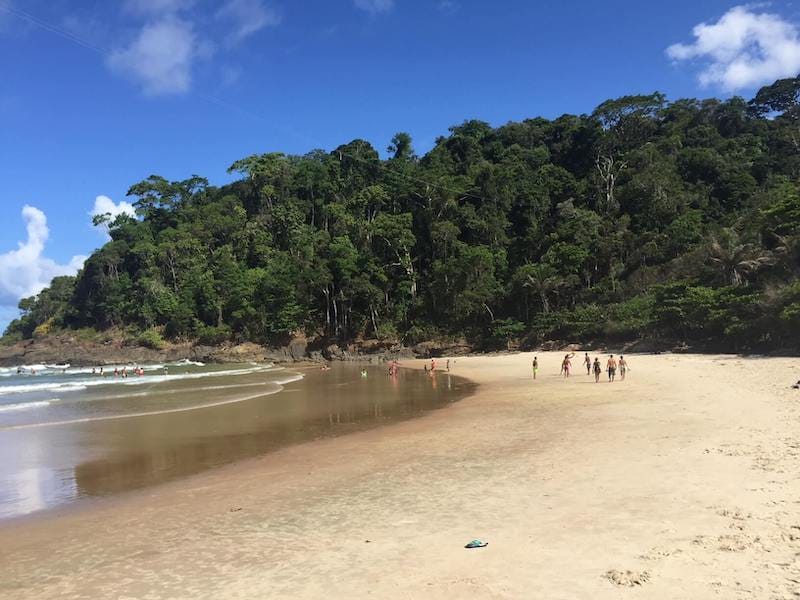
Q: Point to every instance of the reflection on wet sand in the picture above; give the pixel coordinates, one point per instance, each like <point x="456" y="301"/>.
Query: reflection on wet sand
<point x="104" y="457"/>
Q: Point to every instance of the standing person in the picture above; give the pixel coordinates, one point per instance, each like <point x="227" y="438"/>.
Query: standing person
<point x="567" y="364"/>
<point x="588" y="362"/>
<point x="433" y="364"/>
<point x="448" y="364"/>
<point x="535" y="365"/>
<point x="597" y="370"/>
<point x="612" y="368"/>
<point x="623" y="367"/>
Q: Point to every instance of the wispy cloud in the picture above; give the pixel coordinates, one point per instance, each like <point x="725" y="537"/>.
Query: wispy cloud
<point x="247" y="17"/>
<point x="374" y="6"/>
<point x="448" y="7"/>
<point x="743" y="49"/>
<point x="161" y="57"/>
<point x="157" y="7"/>
<point x="26" y="271"/>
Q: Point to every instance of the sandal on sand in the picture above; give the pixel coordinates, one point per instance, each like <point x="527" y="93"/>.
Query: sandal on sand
<point x="476" y="544"/>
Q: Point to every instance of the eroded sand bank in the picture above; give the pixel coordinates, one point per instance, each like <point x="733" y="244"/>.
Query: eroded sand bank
<point x="681" y="482"/>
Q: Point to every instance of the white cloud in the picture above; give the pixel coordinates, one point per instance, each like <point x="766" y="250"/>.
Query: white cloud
<point x="104" y="205"/>
<point x="161" y="58"/>
<point x="247" y="17"/>
<point x="374" y="6"/>
<point x="743" y="49"/>
<point x="157" y="7"/>
<point x="25" y="271"/>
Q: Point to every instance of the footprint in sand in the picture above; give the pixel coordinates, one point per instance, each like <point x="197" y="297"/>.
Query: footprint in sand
<point x="658" y="553"/>
<point x="628" y="578"/>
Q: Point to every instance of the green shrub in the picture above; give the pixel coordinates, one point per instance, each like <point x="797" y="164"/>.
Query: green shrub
<point x="211" y="336"/>
<point x="151" y="338"/>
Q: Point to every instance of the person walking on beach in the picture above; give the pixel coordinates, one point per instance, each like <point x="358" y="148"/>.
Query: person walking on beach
<point x="567" y="364"/>
<point x="535" y="365"/>
<point x="597" y="369"/>
<point x="588" y="362"/>
<point x="623" y="368"/>
<point x="612" y="368"/>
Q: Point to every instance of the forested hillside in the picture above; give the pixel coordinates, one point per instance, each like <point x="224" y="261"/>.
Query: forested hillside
<point x="647" y="218"/>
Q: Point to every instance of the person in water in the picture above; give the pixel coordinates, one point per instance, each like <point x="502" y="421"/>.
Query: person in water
<point x="535" y="366"/>
<point x="433" y="364"/>
<point x="611" y="365"/>
<point x="588" y="362"/>
<point x="363" y="373"/>
<point x="623" y="368"/>
<point x="597" y="369"/>
<point x="448" y="364"/>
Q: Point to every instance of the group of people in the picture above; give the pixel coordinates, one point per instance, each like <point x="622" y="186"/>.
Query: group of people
<point x="433" y="366"/>
<point x="612" y="365"/>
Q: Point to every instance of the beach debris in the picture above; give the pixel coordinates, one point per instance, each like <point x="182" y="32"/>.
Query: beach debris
<point x="477" y="544"/>
<point x="628" y="578"/>
<point x="236" y="509"/>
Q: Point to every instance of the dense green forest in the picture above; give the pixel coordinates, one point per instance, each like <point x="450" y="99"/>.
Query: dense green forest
<point x="672" y="220"/>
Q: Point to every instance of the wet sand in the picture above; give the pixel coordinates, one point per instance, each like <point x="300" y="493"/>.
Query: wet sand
<point x="680" y="482"/>
<point x="116" y="438"/>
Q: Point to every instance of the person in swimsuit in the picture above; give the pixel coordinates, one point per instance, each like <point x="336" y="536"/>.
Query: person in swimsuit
<point x="597" y="370"/>
<point x="535" y="366"/>
<point x="612" y="368"/>
<point x="567" y="364"/>
<point x="623" y="368"/>
<point x="588" y="362"/>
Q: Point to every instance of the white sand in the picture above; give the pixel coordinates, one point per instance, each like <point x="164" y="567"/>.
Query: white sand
<point x="681" y="482"/>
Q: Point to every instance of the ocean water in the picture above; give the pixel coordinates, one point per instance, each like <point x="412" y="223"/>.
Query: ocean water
<point x="71" y="434"/>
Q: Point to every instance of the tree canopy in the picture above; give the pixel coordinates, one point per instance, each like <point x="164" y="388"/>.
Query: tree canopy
<point x="647" y="217"/>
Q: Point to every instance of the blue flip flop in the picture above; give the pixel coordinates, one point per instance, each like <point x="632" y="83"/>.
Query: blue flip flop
<point x="477" y="544"/>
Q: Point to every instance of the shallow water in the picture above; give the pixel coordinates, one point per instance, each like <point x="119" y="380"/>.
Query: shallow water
<point x="74" y="435"/>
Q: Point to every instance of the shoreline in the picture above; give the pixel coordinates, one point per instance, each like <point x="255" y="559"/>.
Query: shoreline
<point x="682" y="485"/>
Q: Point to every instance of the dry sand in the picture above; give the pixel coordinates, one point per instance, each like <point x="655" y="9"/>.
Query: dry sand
<point x="681" y="482"/>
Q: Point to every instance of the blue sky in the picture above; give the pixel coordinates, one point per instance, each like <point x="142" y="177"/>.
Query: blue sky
<point x="95" y="95"/>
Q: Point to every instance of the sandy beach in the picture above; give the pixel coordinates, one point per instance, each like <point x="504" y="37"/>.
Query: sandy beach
<point x="680" y="482"/>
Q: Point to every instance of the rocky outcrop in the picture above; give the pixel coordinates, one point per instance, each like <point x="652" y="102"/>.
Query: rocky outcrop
<point x="65" y="348"/>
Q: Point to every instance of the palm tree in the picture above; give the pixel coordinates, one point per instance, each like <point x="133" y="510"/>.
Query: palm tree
<point x="788" y="251"/>
<point x="735" y="260"/>
<point x="542" y="280"/>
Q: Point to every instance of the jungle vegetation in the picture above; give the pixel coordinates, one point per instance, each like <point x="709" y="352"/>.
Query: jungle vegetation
<point x="646" y="218"/>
